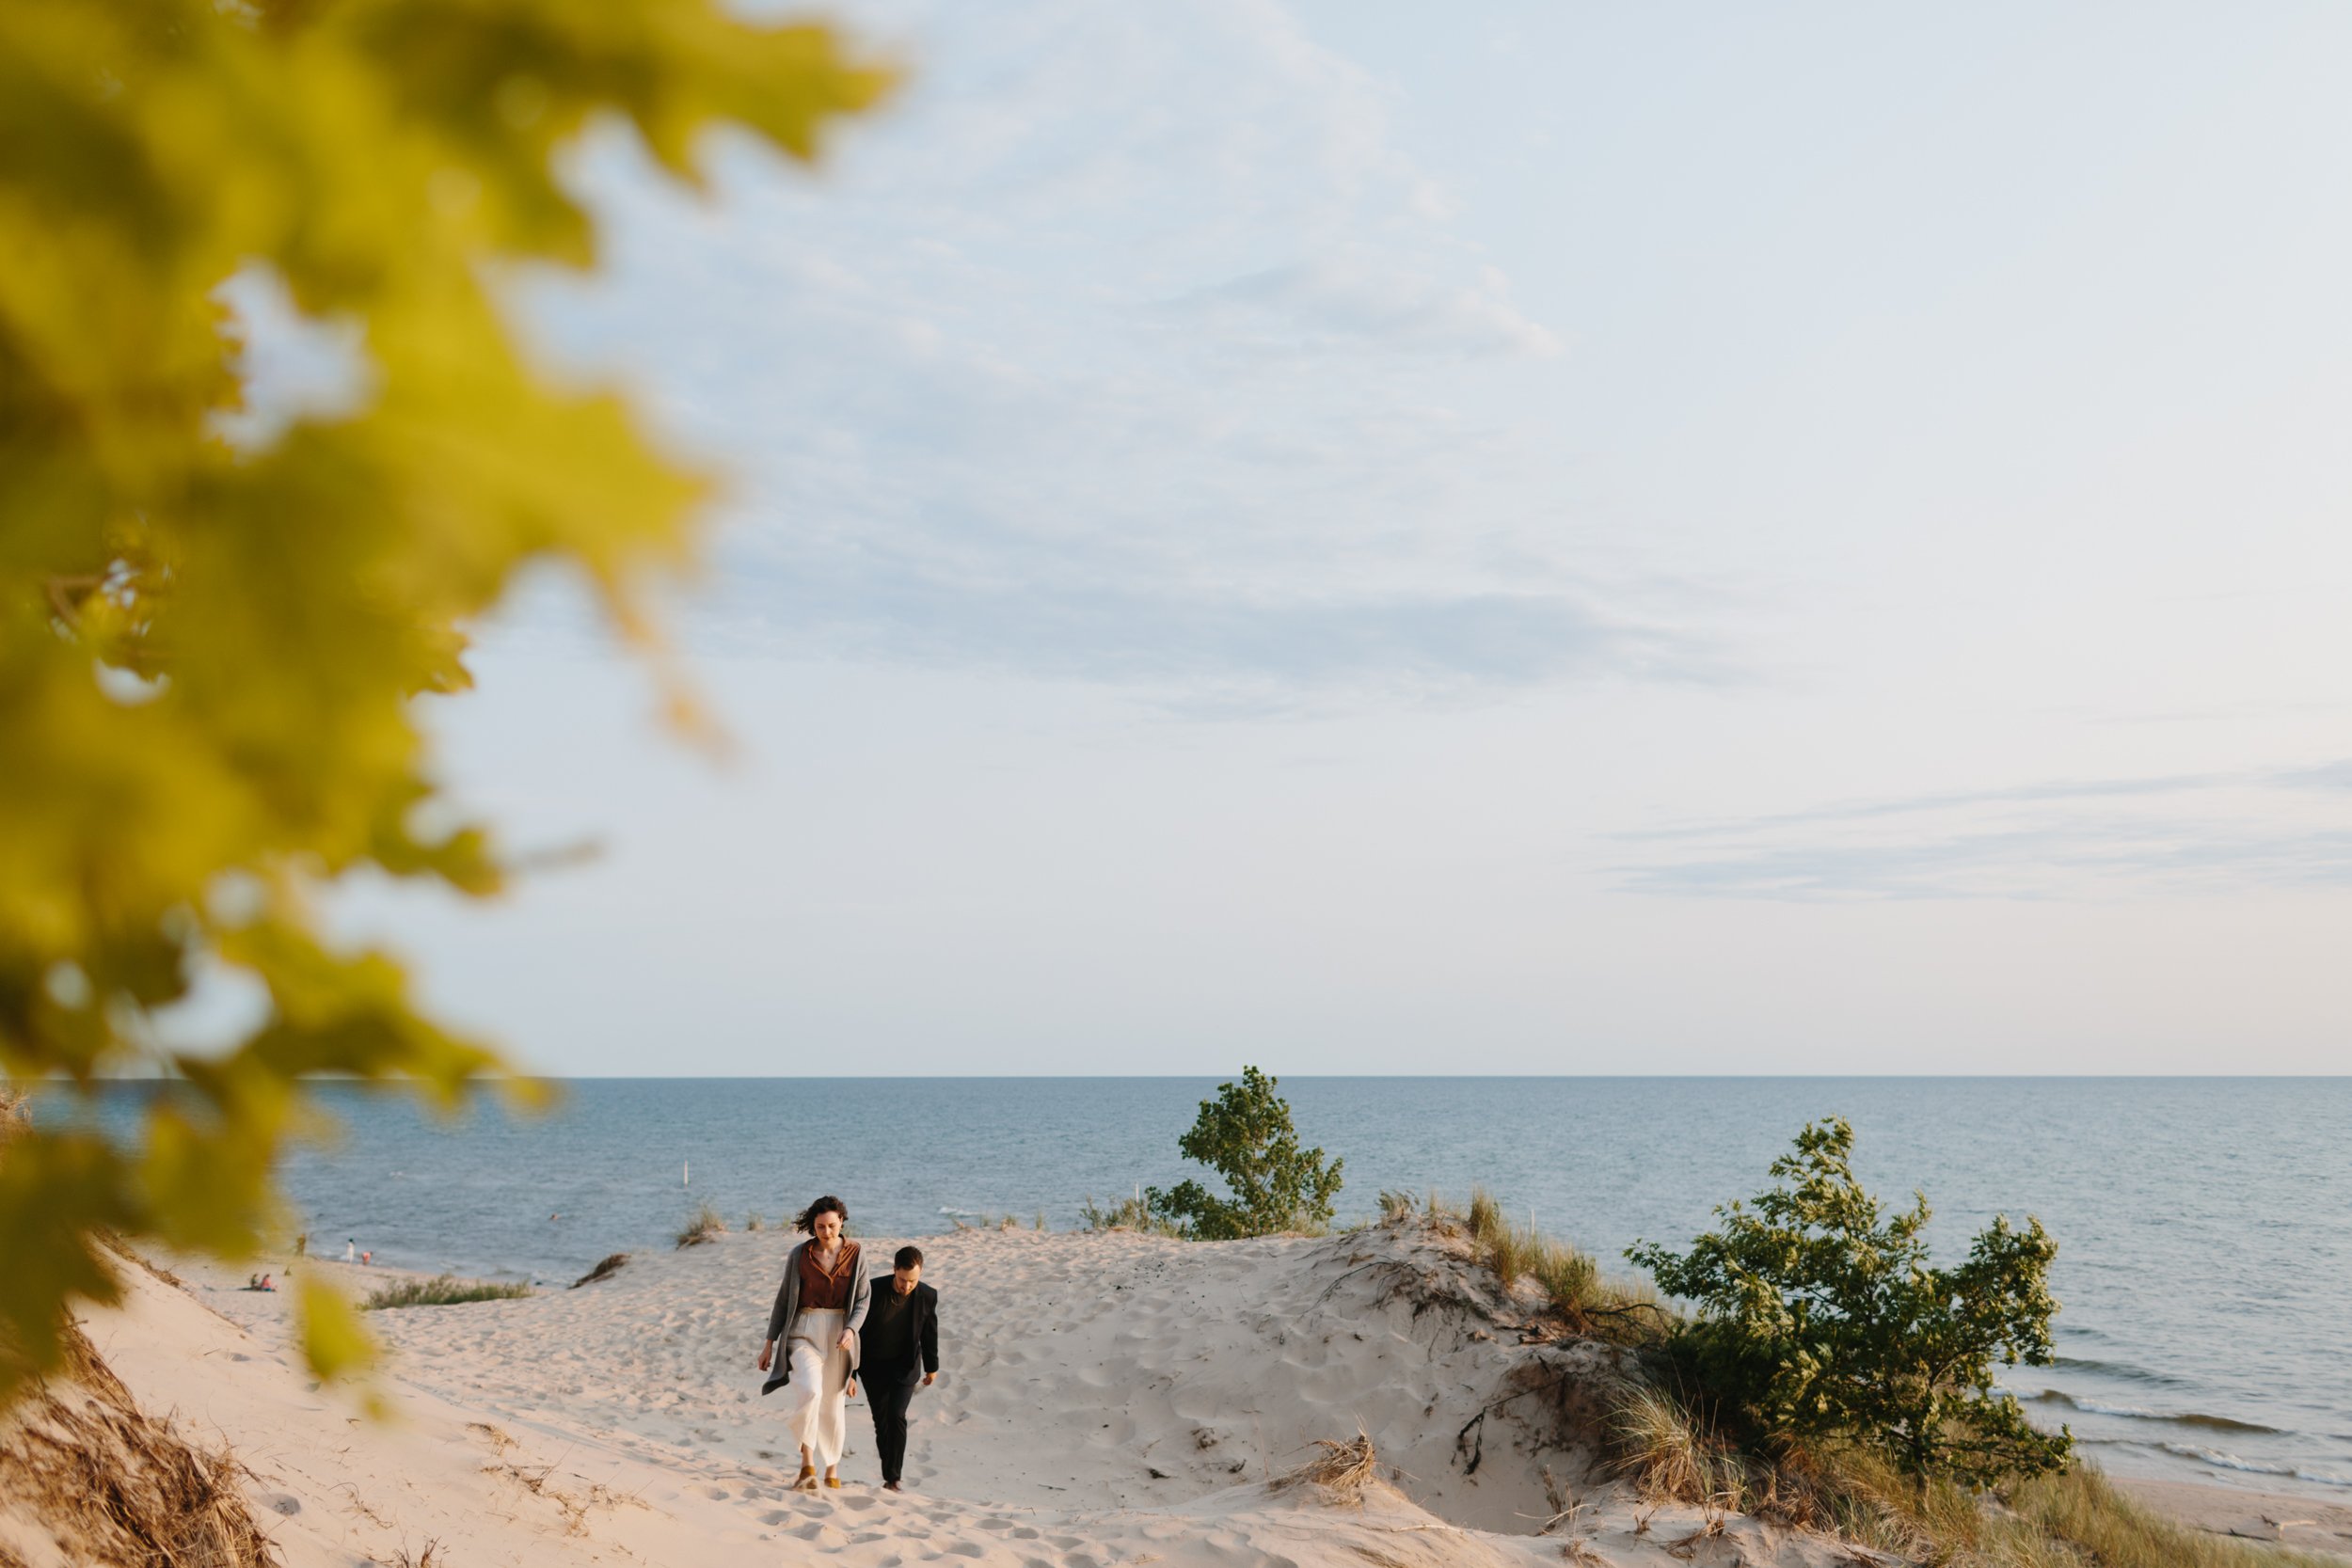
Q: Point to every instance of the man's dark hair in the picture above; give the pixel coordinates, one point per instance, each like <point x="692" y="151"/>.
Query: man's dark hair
<point x="909" y="1258"/>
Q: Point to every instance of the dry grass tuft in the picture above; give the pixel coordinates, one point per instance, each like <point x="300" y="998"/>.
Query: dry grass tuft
<point x="2061" y="1521"/>
<point x="1344" y="1471"/>
<point x="113" y="1487"/>
<point x="610" y="1266"/>
<point x="1128" y="1214"/>
<point x="1669" y="1455"/>
<point x="705" y="1226"/>
<point x="440" y="1291"/>
<point x="1592" y="1304"/>
<point x="755" y="1221"/>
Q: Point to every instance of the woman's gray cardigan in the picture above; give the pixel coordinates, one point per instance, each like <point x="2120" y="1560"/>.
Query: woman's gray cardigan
<point x="788" y="1307"/>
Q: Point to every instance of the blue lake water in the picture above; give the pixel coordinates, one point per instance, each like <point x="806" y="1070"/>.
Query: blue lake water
<point x="2204" y="1225"/>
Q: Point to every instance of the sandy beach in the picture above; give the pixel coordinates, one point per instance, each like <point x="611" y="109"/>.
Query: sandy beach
<point x="1104" y="1398"/>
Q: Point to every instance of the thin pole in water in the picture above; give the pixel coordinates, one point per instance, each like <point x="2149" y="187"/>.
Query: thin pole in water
<point x="686" y="1177"/>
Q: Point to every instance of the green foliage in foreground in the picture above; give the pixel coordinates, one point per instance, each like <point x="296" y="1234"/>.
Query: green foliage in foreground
<point x="440" y="1291"/>
<point x="1244" y="1136"/>
<point x="1822" y="1317"/>
<point x="211" y="649"/>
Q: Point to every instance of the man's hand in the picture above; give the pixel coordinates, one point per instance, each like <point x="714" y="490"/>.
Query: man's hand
<point x="766" y="1350"/>
<point x="929" y="1378"/>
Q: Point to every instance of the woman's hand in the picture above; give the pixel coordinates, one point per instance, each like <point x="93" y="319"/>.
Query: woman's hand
<point x="848" y="1340"/>
<point x="766" y="1350"/>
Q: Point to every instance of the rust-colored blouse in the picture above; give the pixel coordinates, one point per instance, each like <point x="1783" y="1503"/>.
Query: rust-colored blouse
<point x="825" y="1289"/>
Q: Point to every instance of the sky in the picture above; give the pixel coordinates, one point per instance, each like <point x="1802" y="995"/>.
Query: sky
<point x="1547" y="539"/>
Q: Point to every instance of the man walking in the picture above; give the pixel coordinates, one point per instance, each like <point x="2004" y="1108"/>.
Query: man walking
<point x="901" y="1355"/>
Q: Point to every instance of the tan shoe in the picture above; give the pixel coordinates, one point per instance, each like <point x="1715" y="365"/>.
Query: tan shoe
<point x="806" y="1480"/>
<point x="833" y="1482"/>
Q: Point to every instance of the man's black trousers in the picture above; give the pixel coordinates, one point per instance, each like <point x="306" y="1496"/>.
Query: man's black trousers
<point x="888" y="1394"/>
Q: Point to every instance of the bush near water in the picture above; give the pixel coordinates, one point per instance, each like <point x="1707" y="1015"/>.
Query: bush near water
<point x="1274" y="1186"/>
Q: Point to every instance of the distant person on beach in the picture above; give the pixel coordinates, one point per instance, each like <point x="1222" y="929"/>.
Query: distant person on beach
<point x="901" y="1355"/>
<point x="351" y="1249"/>
<point x="813" y="1337"/>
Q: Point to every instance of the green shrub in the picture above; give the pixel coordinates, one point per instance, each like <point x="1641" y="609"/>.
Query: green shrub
<point x="1821" y="1317"/>
<point x="440" y="1291"/>
<point x="1244" y="1136"/>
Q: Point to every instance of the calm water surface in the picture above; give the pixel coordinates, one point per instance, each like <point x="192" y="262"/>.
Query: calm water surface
<point x="2204" y="1225"/>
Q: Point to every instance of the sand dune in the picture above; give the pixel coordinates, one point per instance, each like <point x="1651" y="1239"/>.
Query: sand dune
<point x="1104" y="1398"/>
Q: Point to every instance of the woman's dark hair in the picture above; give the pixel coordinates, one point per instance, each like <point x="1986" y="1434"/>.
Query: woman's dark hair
<point x="826" y="1205"/>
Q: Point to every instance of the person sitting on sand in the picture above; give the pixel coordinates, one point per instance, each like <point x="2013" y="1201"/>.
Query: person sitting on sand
<point x="820" y="1308"/>
<point x="901" y="1355"/>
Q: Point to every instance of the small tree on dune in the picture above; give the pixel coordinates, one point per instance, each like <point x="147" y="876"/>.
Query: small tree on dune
<point x="1244" y="1136"/>
<point x="1820" y="1316"/>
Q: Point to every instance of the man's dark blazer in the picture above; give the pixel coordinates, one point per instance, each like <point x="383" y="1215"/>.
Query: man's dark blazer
<point x="924" y="1303"/>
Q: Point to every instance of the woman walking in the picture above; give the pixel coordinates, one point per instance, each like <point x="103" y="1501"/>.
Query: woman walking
<point x="813" y="1337"/>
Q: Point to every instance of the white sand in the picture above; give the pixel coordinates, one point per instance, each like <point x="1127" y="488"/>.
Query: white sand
<point x="1103" y="1400"/>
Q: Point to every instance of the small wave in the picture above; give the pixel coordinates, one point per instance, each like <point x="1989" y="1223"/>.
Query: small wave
<point x="2224" y="1460"/>
<point x="2122" y="1369"/>
<point x="2179" y="1417"/>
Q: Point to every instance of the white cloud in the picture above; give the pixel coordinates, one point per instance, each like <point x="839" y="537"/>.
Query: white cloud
<point x="2067" y="839"/>
<point x="1063" y="367"/>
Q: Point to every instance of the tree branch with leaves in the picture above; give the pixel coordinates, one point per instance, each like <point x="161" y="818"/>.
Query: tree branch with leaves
<point x="209" y="655"/>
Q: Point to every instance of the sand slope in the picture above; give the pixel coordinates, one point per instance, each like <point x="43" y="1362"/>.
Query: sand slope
<point x="1105" y="1400"/>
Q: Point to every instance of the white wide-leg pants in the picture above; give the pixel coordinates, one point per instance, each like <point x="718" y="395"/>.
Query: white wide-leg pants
<point x="815" y="1401"/>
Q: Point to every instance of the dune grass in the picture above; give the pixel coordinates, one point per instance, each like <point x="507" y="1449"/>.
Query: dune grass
<point x="1624" y="1311"/>
<point x="999" y="1222"/>
<point x="2073" y="1519"/>
<point x="109" y="1483"/>
<point x="606" y="1268"/>
<point x="440" y="1291"/>
<point x="1342" y="1470"/>
<point x="1128" y="1214"/>
<point x="705" y="1226"/>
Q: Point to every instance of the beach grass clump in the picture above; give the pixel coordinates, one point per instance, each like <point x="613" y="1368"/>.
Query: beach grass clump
<point x="1344" y="1471"/>
<point x="1600" y="1306"/>
<point x="441" y="1290"/>
<point x="110" y="1484"/>
<point x="1128" y="1214"/>
<point x="705" y="1226"/>
<point x="1669" y="1454"/>
<point x="755" y="1221"/>
<point x="1397" y="1206"/>
<point x="2061" y="1520"/>
<point x="606" y="1268"/>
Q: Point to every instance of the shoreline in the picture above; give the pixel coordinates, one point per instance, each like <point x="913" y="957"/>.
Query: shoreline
<point x="2276" y="1518"/>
